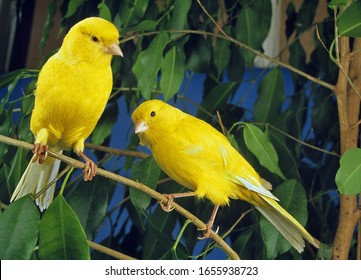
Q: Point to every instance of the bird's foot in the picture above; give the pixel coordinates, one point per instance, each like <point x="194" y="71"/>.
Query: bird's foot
<point x="41" y="152"/>
<point x="207" y="232"/>
<point x="90" y="168"/>
<point x="167" y="207"/>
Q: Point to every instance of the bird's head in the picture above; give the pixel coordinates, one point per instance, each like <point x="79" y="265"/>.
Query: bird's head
<point x="153" y="119"/>
<point x="92" y="39"/>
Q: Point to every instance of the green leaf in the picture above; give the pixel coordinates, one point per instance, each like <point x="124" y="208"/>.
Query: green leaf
<point x="236" y="66"/>
<point x="148" y="63"/>
<point x="172" y="73"/>
<point x="198" y="54"/>
<point x="324" y="252"/>
<point x="221" y="55"/>
<point x="249" y="20"/>
<point x="259" y="144"/>
<point x="8" y="78"/>
<point x="287" y="162"/>
<point x="61" y="234"/>
<point x="180" y="14"/>
<point x="334" y="3"/>
<point x="216" y="98"/>
<point x="349" y="23"/>
<point x="105" y="124"/>
<point x="5" y="128"/>
<point x="131" y="13"/>
<point x="104" y="11"/>
<point x="147" y="172"/>
<point x="19" y="229"/>
<point x="73" y="5"/>
<point x="348" y="176"/>
<point x="293" y="199"/>
<point x="90" y="201"/>
<point x="270" y="97"/>
<point x="146" y="25"/>
<point x="157" y="239"/>
<point x="17" y="167"/>
<point x="305" y="16"/>
<point x="52" y="7"/>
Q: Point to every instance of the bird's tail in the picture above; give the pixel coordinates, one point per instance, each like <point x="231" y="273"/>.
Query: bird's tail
<point x="36" y="178"/>
<point x="288" y="226"/>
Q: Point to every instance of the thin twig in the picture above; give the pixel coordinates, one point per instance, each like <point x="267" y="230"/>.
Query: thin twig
<point x="120" y="179"/>
<point x="244" y="46"/>
<point x="303" y="143"/>
<point x="108" y="251"/>
<point x="211" y="18"/>
<point x="116" y="151"/>
<point x="221" y="123"/>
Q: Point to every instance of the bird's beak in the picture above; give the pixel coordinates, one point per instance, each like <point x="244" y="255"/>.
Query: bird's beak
<point x="114" y="50"/>
<point x="140" y="126"/>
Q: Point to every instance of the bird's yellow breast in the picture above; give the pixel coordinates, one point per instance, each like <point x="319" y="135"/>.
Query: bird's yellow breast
<point x="70" y="99"/>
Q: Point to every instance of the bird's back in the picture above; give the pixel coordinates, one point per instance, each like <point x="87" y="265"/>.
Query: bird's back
<point x="202" y="159"/>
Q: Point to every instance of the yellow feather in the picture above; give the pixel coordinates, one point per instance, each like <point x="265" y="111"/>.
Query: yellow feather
<point x="72" y="90"/>
<point x="202" y="159"/>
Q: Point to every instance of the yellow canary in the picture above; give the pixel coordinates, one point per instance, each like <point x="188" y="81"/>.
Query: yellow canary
<point x="72" y="90"/>
<point x="201" y="158"/>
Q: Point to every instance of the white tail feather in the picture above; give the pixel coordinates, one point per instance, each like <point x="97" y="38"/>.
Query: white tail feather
<point x="288" y="226"/>
<point x="37" y="177"/>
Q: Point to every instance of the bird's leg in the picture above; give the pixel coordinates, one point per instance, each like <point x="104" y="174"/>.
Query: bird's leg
<point x="90" y="168"/>
<point x="208" y="230"/>
<point x="40" y="152"/>
<point x="167" y="207"/>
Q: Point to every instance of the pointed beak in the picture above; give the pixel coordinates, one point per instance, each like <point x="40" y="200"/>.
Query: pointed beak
<point x="114" y="50"/>
<point x="140" y="126"/>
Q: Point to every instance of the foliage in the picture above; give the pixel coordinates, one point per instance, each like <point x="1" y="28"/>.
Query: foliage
<point x="293" y="141"/>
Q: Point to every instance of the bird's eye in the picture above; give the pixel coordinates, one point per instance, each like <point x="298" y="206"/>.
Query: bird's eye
<point x="94" y="38"/>
<point x="152" y="114"/>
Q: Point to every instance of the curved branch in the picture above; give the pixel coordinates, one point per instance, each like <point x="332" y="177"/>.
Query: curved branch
<point x="117" y="152"/>
<point x="243" y="46"/>
<point x="120" y="179"/>
<point x="108" y="251"/>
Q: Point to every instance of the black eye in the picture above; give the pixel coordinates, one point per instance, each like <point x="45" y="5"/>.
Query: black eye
<point x="152" y="114"/>
<point x="94" y="38"/>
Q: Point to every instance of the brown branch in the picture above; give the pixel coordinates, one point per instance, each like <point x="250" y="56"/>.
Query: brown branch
<point x="117" y="152"/>
<point x="120" y="179"/>
<point x="348" y="105"/>
<point x="108" y="251"/>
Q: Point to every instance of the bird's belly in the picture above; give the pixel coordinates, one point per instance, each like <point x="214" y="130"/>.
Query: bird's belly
<point x="68" y="121"/>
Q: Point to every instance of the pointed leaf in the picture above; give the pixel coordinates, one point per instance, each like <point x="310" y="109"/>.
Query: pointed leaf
<point x="348" y="176"/>
<point x="104" y="11"/>
<point x="61" y="234"/>
<point x="52" y="7"/>
<point x="349" y="23"/>
<point x="270" y="97"/>
<point x="221" y="55"/>
<point x="147" y="172"/>
<point x="216" y="98"/>
<point x="198" y="54"/>
<point x="73" y="5"/>
<point x="105" y="124"/>
<point x="172" y="73"/>
<point x="180" y="15"/>
<point x="248" y="21"/>
<point x="259" y="144"/>
<point x="90" y="202"/>
<point x="148" y="63"/>
<point x="19" y="229"/>
<point x="334" y="3"/>
<point x="293" y="199"/>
